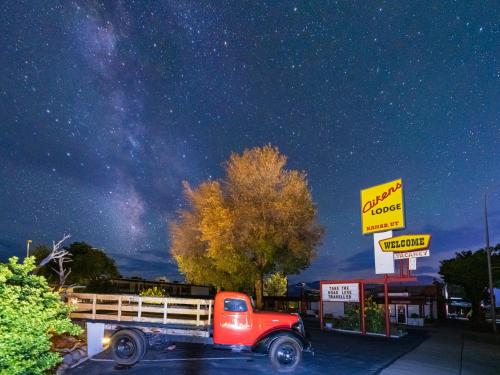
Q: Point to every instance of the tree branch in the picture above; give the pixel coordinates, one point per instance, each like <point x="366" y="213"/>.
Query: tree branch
<point x="56" y="253"/>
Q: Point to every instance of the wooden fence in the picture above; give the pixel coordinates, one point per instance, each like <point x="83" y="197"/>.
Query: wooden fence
<point x="128" y="308"/>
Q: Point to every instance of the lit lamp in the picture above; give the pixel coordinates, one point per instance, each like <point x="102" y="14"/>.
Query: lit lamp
<point x="28" y="248"/>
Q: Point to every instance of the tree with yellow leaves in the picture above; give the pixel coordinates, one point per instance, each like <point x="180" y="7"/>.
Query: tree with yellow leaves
<point x="258" y="219"/>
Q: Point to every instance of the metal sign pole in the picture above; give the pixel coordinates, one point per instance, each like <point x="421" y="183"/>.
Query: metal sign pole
<point x="488" y="260"/>
<point x="386" y="305"/>
<point x="321" y="305"/>
<point x="363" y="317"/>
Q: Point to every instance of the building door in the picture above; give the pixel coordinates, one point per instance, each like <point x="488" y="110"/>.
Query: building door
<point x="401" y="314"/>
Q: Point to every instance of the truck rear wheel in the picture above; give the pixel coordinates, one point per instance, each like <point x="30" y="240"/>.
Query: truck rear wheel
<point x="285" y="354"/>
<point x="127" y="347"/>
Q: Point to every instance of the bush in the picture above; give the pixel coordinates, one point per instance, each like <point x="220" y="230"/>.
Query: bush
<point x="374" y="317"/>
<point x="328" y="318"/>
<point x="30" y="314"/>
<point x="375" y="320"/>
<point x="352" y="317"/>
<point x="153" y="292"/>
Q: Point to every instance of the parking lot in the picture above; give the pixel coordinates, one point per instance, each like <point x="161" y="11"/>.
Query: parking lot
<point x="335" y="353"/>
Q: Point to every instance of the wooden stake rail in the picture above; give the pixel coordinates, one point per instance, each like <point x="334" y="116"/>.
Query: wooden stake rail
<point x="127" y="308"/>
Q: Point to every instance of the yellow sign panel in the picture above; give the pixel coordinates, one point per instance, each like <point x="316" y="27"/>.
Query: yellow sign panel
<point x="382" y="207"/>
<point x="408" y="242"/>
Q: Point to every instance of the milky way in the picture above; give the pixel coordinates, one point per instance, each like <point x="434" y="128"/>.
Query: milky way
<point x="105" y="108"/>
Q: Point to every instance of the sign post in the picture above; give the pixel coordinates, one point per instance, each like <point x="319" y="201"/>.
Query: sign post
<point x="382" y="211"/>
<point x="386" y="308"/>
<point x="363" y="316"/>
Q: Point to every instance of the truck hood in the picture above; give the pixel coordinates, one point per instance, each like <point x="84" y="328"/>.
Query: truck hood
<point x="275" y="318"/>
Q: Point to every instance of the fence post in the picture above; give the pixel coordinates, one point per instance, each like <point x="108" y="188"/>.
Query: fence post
<point x="139" y="312"/>
<point x="120" y="308"/>
<point x="198" y="314"/>
<point x="209" y="312"/>
<point x="93" y="306"/>
<point x="165" y="311"/>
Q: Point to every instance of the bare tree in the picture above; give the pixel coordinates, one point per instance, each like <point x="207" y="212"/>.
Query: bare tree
<point x="57" y="253"/>
<point x="62" y="271"/>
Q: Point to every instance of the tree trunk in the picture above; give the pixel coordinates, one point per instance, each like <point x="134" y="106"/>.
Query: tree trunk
<point x="477" y="317"/>
<point x="259" y="291"/>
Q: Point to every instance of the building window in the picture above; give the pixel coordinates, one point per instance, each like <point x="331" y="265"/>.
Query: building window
<point x="235" y="305"/>
<point x="414" y="311"/>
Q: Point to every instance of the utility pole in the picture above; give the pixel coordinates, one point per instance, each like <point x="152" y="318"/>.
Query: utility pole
<point x="488" y="257"/>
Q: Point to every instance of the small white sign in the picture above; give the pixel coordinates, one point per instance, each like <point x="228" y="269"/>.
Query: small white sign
<point x="384" y="261"/>
<point x="412" y="265"/>
<point x="412" y="254"/>
<point x="340" y="292"/>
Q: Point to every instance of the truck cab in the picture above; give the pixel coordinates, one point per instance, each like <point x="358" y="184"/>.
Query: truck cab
<point x="238" y="325"/>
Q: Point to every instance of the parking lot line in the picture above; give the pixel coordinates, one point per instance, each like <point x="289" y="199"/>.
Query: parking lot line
<point x="178" y="359"/>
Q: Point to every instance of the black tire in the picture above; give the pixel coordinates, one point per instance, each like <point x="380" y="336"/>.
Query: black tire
<point x="127" y="347"/>
<point x="144" y="339"/>
<point x="285" y="354"/>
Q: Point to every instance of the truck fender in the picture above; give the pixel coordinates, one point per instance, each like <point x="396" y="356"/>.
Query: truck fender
<point x="263" y="343"/>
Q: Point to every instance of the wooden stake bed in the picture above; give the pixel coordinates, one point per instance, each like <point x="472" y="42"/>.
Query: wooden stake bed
<point x="190" y="313"/>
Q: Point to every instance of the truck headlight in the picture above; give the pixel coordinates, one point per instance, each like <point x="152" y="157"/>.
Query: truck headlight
<point x="299" y="326"/>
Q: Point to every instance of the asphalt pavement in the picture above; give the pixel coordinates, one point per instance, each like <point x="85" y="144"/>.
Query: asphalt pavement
<point x="451" y="349"/>
<point x="335" y="353"/>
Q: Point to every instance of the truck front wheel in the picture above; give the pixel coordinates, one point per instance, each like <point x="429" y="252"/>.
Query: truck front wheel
<point x="285" y="354"/>
<point x="127" y="347"/>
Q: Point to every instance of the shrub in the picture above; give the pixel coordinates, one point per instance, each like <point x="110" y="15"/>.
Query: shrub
<point x="30" y="314"/>
<point x="352" y="316"/>
<point x="375" y="320"/>
<point x="153" y="292"/>
<point x="374" y="316"/>
<point x="328" y="318"/>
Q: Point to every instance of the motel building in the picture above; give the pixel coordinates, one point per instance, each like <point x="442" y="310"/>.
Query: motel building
<point x="409" y="305"/>
<point x="413" y="305"/>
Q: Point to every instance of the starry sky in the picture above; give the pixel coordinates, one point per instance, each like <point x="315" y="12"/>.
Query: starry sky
<point x="106" y="107"/>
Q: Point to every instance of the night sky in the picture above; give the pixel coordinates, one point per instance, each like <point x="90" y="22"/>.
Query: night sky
<point x="106" y="107"/>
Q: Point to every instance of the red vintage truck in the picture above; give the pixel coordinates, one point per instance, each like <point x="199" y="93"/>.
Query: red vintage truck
<point x="131" y="323"/>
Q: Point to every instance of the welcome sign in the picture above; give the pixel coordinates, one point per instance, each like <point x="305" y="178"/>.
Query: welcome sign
<point x="382" y="207"/>
<point x="407" y="242"/>
<point x="340" y="292"/>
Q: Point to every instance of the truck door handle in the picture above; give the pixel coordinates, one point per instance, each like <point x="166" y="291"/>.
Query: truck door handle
<point x="275" y="320"/>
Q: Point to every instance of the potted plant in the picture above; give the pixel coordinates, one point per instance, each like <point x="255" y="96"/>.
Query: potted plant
<point x="328" y="320"/>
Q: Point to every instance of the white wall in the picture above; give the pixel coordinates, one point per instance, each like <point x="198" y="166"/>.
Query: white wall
<point x="334" y="308"/>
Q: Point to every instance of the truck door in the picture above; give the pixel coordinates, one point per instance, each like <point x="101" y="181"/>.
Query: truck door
<point x="235" y="323"/>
